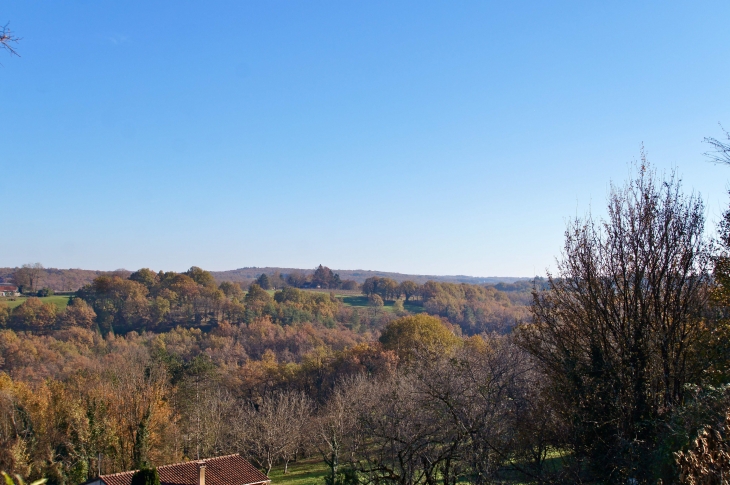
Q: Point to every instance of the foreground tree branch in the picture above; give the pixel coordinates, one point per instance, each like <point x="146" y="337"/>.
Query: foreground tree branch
<point x="7" y="39"/>
<point x="721" y="149"/>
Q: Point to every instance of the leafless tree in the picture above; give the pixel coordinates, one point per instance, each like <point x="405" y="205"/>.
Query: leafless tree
<point x="465" y="415"/>
<point x="397" y="432"/>
<point x="490" y="396"/>
<point x="273" y="429"/>
<point x="338" y="434"/>
<point x="207" y="412"/>
<point x="616" y="330"/>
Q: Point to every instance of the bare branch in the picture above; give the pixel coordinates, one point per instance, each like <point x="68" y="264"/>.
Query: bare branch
<point x="721" y="152"/>
<point x="7" y="38"/>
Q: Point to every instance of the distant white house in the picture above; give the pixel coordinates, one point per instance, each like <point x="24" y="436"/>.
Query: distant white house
<point x="9" y="290"/>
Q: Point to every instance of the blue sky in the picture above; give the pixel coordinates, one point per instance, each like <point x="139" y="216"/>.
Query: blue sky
<point x="419" y="137"/>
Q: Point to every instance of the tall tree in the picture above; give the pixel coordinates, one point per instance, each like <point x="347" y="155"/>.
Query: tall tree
<point x="324" y="278"/>
<point x="201" y="277"/>
<point x="408" y="288"/>
<point x="28" y="277"/>
<point x="274" y="429"/>
<point x="337" y="428"/>
<point x="616" y="330"/>
<point x="263" y="281"/>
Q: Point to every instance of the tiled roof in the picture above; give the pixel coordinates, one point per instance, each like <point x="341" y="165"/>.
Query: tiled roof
<point x="8" y="287"/>
<point x="223" y="470"/>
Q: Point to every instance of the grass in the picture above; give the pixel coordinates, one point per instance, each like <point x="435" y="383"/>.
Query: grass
<point x="357" y="299"/>
<point x="304" y="472"/>
<point x="312" y="471"/>
<point x="362" y="301"/>
<point x="61" y="301"/>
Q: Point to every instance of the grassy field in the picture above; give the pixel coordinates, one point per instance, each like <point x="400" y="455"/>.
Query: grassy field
<point x="313" y="470"/>
<point x="304" y="472"/>
<point x="362" y="301"/>
<point x="357" y="299"/>
<point x="61" y="301"/>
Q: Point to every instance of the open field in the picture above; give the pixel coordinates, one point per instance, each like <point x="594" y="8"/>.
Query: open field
<point x="338" y="293"/>
<point x="362" y="301"/>
<point x="304" y="472"/>
<point x="355" y="298"/>
<point x="61" y="301"/>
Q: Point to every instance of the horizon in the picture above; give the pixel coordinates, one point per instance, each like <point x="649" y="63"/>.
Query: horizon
<point x="424" y="138"/>
<point x="131" y="270"/>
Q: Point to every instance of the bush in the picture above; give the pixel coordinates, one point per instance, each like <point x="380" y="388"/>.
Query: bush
<point x="45" y="292"/>
<point x="146" y="476"/>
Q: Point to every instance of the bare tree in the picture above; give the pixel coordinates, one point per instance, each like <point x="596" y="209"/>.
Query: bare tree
<point x="206" y="410"/>
<point x="397" y="433"/>
<point x="488" y="396"/>
<point x="273" y="430"/>
<point x="337" y="426"/>
<point x="617" y="328"/>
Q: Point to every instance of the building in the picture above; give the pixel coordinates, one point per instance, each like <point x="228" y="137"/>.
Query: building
<point x="223" y="470"/>
<point x="8" y="290"/>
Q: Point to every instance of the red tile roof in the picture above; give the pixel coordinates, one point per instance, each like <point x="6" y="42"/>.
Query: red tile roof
<point x="223" y="470"/>
<point x="8" y="288"/>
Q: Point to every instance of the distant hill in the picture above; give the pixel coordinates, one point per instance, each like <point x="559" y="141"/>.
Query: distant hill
<point x="73" y="279"/>
<point x="360" y="275"/>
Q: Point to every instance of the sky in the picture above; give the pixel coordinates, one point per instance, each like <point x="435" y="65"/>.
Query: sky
<point x="418" y="137"/>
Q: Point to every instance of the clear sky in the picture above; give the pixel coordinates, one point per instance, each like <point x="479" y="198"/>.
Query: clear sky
<point x="419" y="137"/>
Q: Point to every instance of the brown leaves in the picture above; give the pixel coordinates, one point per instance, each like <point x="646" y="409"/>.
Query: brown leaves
<point x="707" y="462"/>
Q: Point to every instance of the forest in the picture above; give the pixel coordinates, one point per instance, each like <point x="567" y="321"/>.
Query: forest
<point x="615" y="369"/>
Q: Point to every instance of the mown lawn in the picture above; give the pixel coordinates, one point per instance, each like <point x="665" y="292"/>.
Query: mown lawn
<point x="61" y="301"/>
<point x="303" y="472"/>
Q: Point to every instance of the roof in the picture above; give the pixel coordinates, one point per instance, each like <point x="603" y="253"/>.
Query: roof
<point x="223" y="470"/>
<point x="8" y="287"/>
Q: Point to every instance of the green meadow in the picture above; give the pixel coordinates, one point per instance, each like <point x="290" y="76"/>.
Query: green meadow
<point x="304" y="472"/>
<point x="362" y="301"/>
<point x="61" y="301"/>
<point x="357" y="299"/>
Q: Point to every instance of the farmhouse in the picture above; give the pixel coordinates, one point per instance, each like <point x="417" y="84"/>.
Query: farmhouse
<point x="8" y="290"/>
<point x="223" y="470"/>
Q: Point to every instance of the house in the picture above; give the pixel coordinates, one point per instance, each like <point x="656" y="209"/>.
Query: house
<point x="223" y="470"/>
<point x="8" y="290"/>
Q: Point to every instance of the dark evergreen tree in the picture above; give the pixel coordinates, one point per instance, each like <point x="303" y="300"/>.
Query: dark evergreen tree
<point x="263" y="281"/>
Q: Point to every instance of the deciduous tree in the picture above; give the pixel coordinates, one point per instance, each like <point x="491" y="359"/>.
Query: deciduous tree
<point x="418" y="335"/>
<point x="616" y="331"/>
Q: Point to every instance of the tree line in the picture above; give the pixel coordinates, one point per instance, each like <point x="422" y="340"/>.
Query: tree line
<point x="160" y="301"/>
